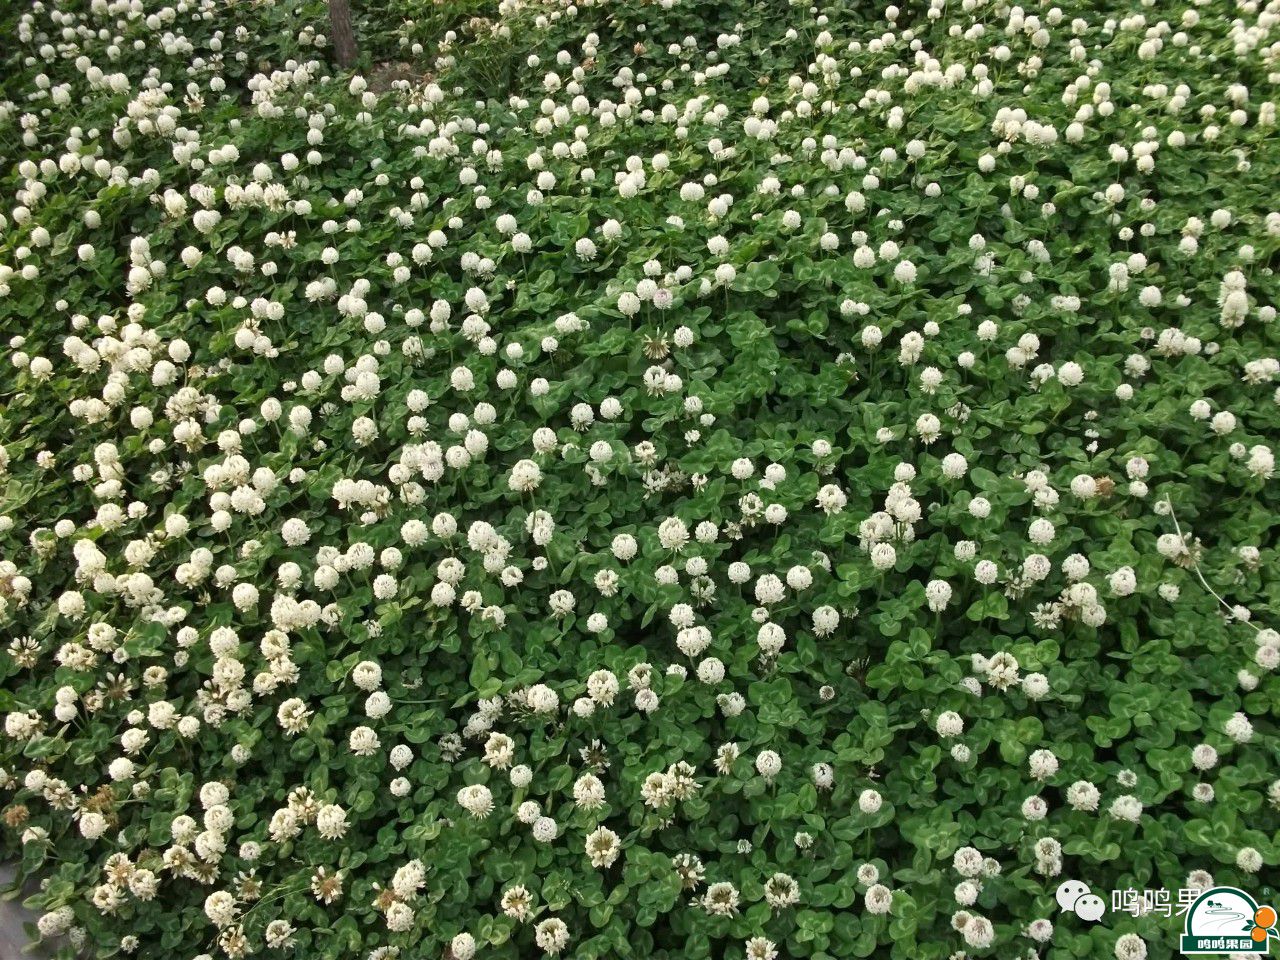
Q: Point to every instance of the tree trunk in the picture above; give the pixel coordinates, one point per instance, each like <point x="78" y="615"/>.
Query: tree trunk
<point x="344" y="39"/>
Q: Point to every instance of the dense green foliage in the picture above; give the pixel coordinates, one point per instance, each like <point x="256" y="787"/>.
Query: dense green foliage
<point x="636" y="480"/>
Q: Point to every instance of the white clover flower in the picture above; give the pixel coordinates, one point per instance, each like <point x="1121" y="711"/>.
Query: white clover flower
<point x="476" y="800"/>
<point x="545" y="829"/>
<point x="673" y="534"/>
<point x="769" y="589"/>
<point x="1249" y="860"/>
<point x="363" y="741"/>
<point x="1239" y="728"/>
<point x="92" y="825"/>
<point x="949" y="724"/>
<point x="883" y="556"/>
<point x="551" y="935"/>
<point x="768" y="764"/>
<point x="542" y="699"/>
<point x="331" y="822"/>
<point x="1042" y="764"/>
<point x="938" y="594"/>
<point x="954" y="466"/>
<point x="220" y="908"/>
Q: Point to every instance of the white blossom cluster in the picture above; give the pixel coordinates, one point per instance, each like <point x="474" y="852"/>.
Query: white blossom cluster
<point x="679" y="499"/>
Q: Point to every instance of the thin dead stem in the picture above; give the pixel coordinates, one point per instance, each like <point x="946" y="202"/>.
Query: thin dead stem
<point x="1195" y="567"/>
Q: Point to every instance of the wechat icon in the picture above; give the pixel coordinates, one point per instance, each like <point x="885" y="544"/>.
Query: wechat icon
<point x="1075" y="896"/>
